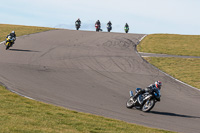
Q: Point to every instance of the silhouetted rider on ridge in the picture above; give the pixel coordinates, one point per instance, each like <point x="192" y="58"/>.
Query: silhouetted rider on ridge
<point x="98" y="23"/>
<point x="78" y="21"/>
<point x="126" y="25"/>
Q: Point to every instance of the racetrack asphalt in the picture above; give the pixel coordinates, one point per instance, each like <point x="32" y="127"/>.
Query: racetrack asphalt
<point x="93" y="72"/>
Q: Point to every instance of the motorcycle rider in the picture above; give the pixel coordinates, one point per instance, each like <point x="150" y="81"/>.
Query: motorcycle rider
<point x="109" y="24"/>
<point x="13" y="36"/>
<point x="150" y="88"/>
<point x="98" y="23"/>
<point x="126" y="25"/>
<point x="78" y="21"/>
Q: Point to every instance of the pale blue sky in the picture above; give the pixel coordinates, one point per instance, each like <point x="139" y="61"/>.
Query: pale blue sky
<point x="143" y="16"/>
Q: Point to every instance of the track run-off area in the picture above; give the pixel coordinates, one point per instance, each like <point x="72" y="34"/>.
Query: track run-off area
<point x="93" y="72"/>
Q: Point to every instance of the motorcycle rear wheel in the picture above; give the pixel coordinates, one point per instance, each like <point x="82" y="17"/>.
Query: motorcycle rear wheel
<point x="148" y="105"/>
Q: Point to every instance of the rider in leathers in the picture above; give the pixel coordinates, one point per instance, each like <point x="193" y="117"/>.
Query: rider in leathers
<point x="13" y="36"/>
<point x="126" y="25"/>
<point x="109" y="24"/>
<point x="79" y="21"/>
<point x="98" y="23"/>
<point x="150" y="88"/>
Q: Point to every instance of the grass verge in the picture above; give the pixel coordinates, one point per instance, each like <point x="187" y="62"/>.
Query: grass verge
<point x="184" y="69"/>
<point x="171" y="44"/>
<point x="22" y="115"/>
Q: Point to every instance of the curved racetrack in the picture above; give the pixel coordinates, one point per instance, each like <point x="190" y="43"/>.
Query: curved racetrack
<point x="94" y="72"/>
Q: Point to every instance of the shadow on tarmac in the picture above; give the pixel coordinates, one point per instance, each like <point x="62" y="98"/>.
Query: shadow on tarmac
<point x="172" y="114"/>
<point x="23" y="50"/>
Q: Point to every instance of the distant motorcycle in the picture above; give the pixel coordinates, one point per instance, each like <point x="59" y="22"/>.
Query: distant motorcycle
<point x="77" y="25"/>
<point x="98" y="28"/>
<point x="144" y="102"/>
<point x="9" y="42"/>
<point x="109" y="28"/>
<point x="126" y="29"/>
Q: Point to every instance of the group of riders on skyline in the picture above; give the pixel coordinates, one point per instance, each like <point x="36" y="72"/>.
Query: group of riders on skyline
<point x="98" y="26"/>
<point x="10" y="39"/>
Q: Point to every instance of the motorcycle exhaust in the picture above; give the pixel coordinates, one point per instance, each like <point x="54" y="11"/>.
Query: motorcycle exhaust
<point x="131" y="93"/>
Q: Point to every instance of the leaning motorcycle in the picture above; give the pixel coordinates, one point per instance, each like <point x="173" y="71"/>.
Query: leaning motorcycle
<point x="144" y="102"/>
<point x="97" y="27"/>
<point x="9" y="42"/>
<point x="126" y="29"/>
<point x="77" y="25"/>
<point x="109" y="28"/>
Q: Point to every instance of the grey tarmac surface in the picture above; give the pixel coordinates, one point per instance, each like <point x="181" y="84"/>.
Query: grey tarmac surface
<point x="93" y="73"/>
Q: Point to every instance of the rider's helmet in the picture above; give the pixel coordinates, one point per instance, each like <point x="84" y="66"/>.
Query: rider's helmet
<point x="13" y="31"/>
<point x="158" y="84"/>
<point x="78" y="19"/>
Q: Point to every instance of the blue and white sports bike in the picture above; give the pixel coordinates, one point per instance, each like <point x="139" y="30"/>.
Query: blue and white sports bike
<point x="145" y="101"/>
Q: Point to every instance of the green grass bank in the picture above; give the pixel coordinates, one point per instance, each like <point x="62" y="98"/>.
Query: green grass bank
<point x="22" y="115"/>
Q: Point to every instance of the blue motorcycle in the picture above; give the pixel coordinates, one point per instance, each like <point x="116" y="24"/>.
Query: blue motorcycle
<point x="145" y="101"/>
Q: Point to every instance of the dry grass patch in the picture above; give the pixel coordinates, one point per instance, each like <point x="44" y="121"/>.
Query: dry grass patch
<point x="171" y="44"/>
<point x="184" y="69"/>
<point x="20" y="30"/>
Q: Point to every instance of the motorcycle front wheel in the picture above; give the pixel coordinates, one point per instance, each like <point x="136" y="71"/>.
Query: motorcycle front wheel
<point x="148" y="105"/>
<point x="7" y="46"/>
<point x="130" y="103"/>
<point x="77" y="27"/>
